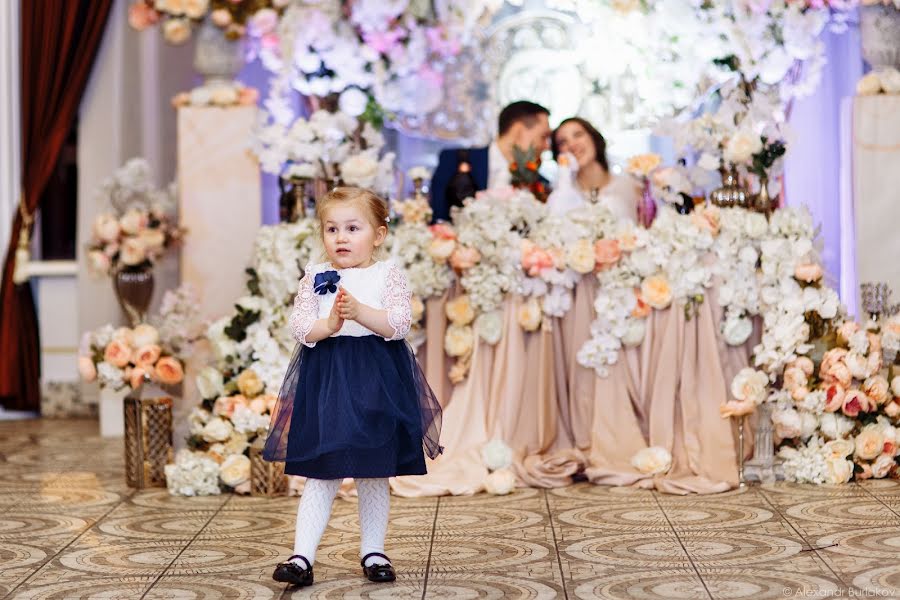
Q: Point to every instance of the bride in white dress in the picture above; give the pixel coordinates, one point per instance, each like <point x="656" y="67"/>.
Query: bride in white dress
<point x="620" y="194"/>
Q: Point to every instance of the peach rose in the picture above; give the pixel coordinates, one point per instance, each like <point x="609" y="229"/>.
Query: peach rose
<point x="808" y="272"/>
<point x="834" y="397"/>
<point x="133" y="221"/>
<point x="877" y="389"/>
<point x="249" y="383"/>
<point x="169" y="370"/>
<point x="643" y="164"/>
<point x="882" y="466"/>
<point x="87" y="369"/>
<point x="641" y="309"/>
<point x="258" y="405"/>
<point x="442" y="231"/>
<point x="146" y="356"/>
<point x="794" y="378"/>
<point x="707" y="218"/>
<point x="832" y="356"/>
<point x="136" y="377"/>
<point x="628" y="240"/>
<point x="248" y="96"/>
<point x="464" y="257"/>
<point x="799" y="393"/>
<point x="530" y="314"/>
<point x="153" y="239"/>
<point x="535" y="259"/>
<point x="839" y="373"/>
<point x="106" y="228"/>
<point x="141" y="16"/>
<point x="892" y="409"/>
<point x="607" y="253"/>
<point x="144" y="335"/>
<point x="869" y="442"/>
<point x="132" y="252"/>
<point x="656" y="291"/>
<point x="117" y="353"/>
<point x="224" y="406"/>
<point x="176" y="31"/>
<point x="220" y="17"/>
<point x="459" y="310"/>
<point x="804" y="364"/>
<point x="440" y="249"/>
<point x="847" y="329"/>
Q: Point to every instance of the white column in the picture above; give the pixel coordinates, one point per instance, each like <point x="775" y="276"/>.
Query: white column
<point x="10" y="134"/>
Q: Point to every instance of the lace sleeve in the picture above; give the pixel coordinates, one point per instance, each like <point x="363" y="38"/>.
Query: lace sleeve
<point x="396" y="300"/>
<point x="305" y="313"/>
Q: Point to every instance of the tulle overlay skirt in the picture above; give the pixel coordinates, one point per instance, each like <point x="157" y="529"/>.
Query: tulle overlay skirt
<point x="354" y="407"/>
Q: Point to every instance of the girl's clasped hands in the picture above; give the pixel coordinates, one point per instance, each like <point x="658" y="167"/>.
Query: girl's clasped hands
<point x="345" y="307"/>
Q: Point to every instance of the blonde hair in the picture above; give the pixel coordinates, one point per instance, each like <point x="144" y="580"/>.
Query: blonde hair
<point x="374" y="207"/>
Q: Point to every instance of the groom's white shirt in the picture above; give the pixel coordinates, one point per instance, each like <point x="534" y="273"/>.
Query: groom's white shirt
<point x="498" y="167"/>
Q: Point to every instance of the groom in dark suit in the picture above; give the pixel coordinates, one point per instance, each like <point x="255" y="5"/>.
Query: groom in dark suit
<point x="523" y="124"/>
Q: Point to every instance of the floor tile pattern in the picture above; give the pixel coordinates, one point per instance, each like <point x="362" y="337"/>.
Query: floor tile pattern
<point x="71" y="528"/>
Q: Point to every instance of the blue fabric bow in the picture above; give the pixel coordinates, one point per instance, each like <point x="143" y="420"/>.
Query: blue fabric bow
<point x="326" y="282"/>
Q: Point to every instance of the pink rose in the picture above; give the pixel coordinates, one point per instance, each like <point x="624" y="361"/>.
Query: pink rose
<point x="883" y="465"/>
<point x="534" y="258"/>
<point x="132" y="252"/>
<point x="106" y="228"/>
<point x="464" y="257"/>
<point x="87" y="369"/>
<point x="808" y="272"/>
<point x="133" y="221"/>
<point x="839" y="373"/>
<point x="877" y="389"/>
<point x="794" y="378"/>
<point x="169" y="370"/>
<point x="799" y="393"/>
<point x="832" y="356"/>
<point x="136" y="377"/>
<point x="606" y="253"/>
<point x="224" y="406"/>
<point x="834" y="397"/>
<point x="141" y="16"/>
<point x="147" y="356"/>
<point x="855" y="402"/>
<point x="117" y="353"/>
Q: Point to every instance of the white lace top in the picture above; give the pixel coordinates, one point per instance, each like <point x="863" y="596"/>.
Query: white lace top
<point x="382" y="285"/>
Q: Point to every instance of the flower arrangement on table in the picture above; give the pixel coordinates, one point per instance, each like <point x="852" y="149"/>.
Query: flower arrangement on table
<point x="222" y="94"/>
<point x="124" y="357"/>
<point x="236" y="19"/>
<point x="141" y="225"/>
<point x="332" y="146"/>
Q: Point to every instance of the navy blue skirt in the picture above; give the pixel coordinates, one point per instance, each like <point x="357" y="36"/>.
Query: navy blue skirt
<point x="354" y="407"/>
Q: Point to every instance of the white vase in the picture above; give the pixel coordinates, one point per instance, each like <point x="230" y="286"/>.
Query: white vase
<point x="879" y="27"/>
<point x="215" y="57"/>
<point x="112" y="411"/>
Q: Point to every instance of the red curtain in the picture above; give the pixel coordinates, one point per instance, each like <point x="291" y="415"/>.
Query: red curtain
<point x="59" y="45"/>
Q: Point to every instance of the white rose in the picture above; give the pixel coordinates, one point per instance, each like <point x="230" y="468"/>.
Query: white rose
<point x="890" y="80"/>
<point x="742" y="146"/>
<point x="359" y="170"/>
<point x="634" y="335"/>
<point x="748" y="255"/>
<point x="353" y="101"/>
<point x="580" y="256"/>
<point x="838" y="470"/>
<point x="737" y="331"/>
<point x="144" y="335"/>
<point x="869" y="442"/>
<point x="652" y="461"/>
<point x="869" y="85"/>
<point x="496" y="455"/>
<point x="500" y="483"/>
<point x="882" y="466"/>
<point x="106" y="228"/>
<point x="489" y="326"/>
<point x="839" y="448"/>
<point x="98" y="262"/>
<point x="235" y="470"/>
<point x="708" y="162"/>
<point x="809" y="423"/>
<point x="750" y="384"/>
<point x="217" y="430"/>
<point x="209" y="383"/>
<point x="132" y="252"/>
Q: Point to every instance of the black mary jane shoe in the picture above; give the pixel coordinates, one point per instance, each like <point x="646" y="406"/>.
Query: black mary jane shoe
<point x="292" y="573"/>
<point x="378" y="573"/>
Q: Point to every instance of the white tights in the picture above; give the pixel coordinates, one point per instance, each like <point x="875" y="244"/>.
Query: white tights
<point x="314" y="512"/>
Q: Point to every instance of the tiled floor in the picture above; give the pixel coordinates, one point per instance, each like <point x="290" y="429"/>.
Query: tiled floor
<point x="71" y="528"/>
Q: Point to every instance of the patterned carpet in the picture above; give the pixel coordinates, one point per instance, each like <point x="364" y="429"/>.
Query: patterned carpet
<point x="71" y="528"/>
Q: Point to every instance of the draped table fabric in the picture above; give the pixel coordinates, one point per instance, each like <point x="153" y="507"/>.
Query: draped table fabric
<point x="561" y="420"/>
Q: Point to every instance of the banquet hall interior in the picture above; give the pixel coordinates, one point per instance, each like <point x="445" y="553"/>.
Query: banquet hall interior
<point x="646" y="251"/>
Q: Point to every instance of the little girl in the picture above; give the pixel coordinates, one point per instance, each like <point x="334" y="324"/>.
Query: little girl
<point x="354" y="402"/>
